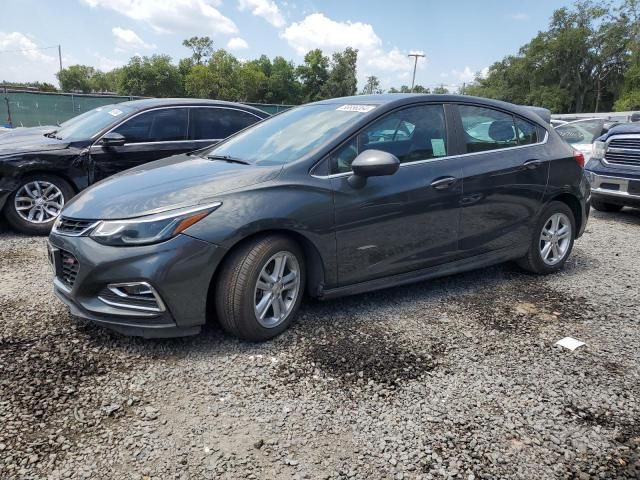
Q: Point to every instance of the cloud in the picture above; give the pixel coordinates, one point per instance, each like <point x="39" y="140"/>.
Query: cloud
<point x="237" y="43"/>
<point x="193" y="17"/>
<point x="22" y="61"/>
<point x="107" y="64"/>
<point x="128" y="40"/>
<point x="266" y="9"/>
<point x="520" y="17"/>
<point x="318" y="31"/>
<point x="465" y="75"/>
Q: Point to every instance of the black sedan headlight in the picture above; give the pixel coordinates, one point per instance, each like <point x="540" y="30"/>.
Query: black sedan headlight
<point x="150" y="228"/>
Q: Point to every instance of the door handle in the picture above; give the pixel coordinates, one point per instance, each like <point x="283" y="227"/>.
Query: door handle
<point x="443" y="183"/>
<point x="532" y="164"/>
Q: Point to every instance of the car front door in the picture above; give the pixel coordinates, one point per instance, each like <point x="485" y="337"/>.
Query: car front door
<point x="149" y="136"/>
<point x="505" y="175"/>
<point x="406" y="221"/>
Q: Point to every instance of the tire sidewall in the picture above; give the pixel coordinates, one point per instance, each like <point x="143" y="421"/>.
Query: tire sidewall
<point x="257" y="331"/>
<point x="549" y="210"/>
<point x="23" y="226"/>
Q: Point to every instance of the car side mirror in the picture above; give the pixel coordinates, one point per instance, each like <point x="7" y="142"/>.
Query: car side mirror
<point x="113" y="139"/>
<point x="372" y="163"/>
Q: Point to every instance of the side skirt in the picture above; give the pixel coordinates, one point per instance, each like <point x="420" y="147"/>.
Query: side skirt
<point x="466" y="264"/>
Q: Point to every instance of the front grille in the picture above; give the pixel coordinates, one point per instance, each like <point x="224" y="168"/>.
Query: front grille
<point x="72" y="226"/>
<point x="69" y="268"/>
<point x="624" y="151"/>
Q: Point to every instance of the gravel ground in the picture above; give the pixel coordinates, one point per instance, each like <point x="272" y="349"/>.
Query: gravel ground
<point x="453" y="378"/>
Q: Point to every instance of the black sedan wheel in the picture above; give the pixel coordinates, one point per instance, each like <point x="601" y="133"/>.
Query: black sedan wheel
<point x="36" y="203"/>
<point x="552" y="240"/>
<point x="260" y="288"/>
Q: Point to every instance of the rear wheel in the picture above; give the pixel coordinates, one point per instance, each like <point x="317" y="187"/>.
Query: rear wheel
<point x="36" y="203"/>
<point x="552" y="240"/>
<point x="605" y="206"/>
<point x="260" y="288"/>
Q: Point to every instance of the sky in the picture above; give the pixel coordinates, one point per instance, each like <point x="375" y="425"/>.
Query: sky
<point x="458" y="38"/>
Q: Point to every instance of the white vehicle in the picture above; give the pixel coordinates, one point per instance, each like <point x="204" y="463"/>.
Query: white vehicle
<point x="581" y="134"/>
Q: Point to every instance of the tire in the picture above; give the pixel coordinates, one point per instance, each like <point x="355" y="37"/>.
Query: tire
<point x="533" y="261"/>
<point x="44" y="215"/>
<point x="238" y="293"/>
<point x="604" y="206"/>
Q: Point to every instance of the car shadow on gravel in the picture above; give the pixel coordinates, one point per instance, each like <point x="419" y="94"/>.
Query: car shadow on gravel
<point x="627" y="215"/>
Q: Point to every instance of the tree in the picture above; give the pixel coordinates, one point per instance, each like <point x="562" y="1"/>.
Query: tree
<point x="76" y="78"/>
<point x="153" y="76"/>
<point x="421" y="89"/>
<point x="202" y="48"/>
<point x="342" y="80"/>
<point x="441" y="90"/>
<point x="313" y="75"/>
<point x="283" y="86"/>
<point x="372" y="86"/>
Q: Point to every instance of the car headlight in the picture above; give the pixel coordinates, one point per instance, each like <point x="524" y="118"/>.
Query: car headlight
<point x="150" y="228"/>
<point x="598" y="149"/>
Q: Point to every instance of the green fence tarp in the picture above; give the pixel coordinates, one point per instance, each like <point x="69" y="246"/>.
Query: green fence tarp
<point x="31" y="109"/>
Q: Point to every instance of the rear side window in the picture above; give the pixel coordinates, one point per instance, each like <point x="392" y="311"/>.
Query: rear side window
<point x="526" y="131"/>
<point x="164" y="125"/>
<point x="411" y="134"/>
<point x="217" y="123"/>
<point x="487" y="129"/>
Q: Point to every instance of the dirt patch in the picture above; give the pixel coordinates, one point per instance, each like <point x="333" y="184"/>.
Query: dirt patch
<point x="363" y="354"/>
<point x="521" y="304"/>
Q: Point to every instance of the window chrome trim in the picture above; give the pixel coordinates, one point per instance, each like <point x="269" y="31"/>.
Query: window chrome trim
<point x="100" y="136"/>
<point x="448" y="157"/>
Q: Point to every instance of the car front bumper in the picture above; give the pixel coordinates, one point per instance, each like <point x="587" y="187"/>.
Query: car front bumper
<point x="178" y="271"/>
<point x="615" y="189"/>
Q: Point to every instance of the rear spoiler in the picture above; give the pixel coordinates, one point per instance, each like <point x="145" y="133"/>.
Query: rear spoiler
<point x="543" y="113"/>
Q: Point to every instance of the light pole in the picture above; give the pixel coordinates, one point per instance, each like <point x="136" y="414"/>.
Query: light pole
<point x="415" y="64"/>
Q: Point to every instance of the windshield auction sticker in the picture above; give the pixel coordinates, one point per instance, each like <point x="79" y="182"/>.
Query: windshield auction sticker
<point x="115" y="112"/>
<point x="356" y="108"/>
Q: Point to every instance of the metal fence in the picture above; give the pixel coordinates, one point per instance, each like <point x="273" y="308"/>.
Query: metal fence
<point x="23" y="108"/>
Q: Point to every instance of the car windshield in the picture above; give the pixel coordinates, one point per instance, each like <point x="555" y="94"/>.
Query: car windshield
<point x="290" y="135"/>
<point x="91" y="123"/>
<point x="581" y="131"/>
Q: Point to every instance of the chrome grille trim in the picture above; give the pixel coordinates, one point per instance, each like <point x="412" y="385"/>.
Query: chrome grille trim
<point x="73" y="227"/>
<point x="623" y="150"/>
<point x="148" y="301"/>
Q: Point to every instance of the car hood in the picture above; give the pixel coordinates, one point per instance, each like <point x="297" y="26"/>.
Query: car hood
<point x="29" y="143"/>
<point x="625" y="128"/>
<point x="181" y="180"/>
<point x="23" y="131"/>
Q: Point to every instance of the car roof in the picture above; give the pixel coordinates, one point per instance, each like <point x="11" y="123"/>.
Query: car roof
<point x="169" y="102"/>
<point x="392" y="100"/>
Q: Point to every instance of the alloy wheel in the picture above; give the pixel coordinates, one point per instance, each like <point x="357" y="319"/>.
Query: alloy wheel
<point x="555" y="238"/>
<point x="39" y="201"/>
<point x="277" y="289"/>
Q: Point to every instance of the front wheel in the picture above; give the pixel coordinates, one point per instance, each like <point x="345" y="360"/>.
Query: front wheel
<point x="34" y="206"/>
<point x="260" y="288"/>
<point x="552" y="240"/>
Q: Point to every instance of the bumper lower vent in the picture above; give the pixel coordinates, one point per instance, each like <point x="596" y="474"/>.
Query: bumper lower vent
<point x="69" y="268"/>
<point x="138" y="296"/>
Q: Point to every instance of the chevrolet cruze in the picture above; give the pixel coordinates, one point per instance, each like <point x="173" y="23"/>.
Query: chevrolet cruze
<point x="332" y="198"/>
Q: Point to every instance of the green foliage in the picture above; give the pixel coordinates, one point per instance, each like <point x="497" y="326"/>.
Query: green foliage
<point x="372" y="86"/>
<point x="313" y="74"/>
<point x="578" y="64"/>
<point x="342" y="81"/>
<point x="76" y="78"/>
<point x="153" y="76"/>
<point x="202" y="48"/>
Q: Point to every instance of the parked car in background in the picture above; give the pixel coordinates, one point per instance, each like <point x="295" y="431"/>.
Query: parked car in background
<point x="10" y="134"/>
<point x="317" y="200"/>
<point x="581" y="134"/>
<point x="40" y="172"/>
<point x="614" y="169"/>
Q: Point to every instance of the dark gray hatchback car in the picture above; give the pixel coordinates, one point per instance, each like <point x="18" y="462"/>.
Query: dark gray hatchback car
<point x="332" y="198"/>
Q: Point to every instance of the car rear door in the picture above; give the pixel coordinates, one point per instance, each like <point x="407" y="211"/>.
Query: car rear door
<point x="209" y="125"/>
<point x="150" y="135"/>
<point x="403" y="222"/>
<point x="505" y="175"/>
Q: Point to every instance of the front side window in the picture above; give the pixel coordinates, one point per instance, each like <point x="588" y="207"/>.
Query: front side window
<point x="217" y="123"/>
<point x="411" y="134"/>
<point x="487" y="129"/>
<point x="164" y="125"/>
